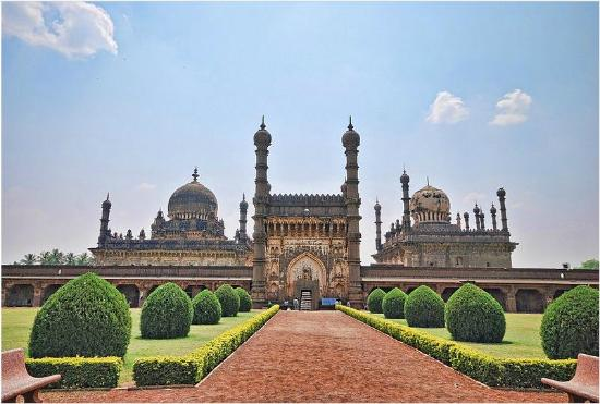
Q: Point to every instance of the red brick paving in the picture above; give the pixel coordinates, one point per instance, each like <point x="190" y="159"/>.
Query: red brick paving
<point x="322" y="356"/>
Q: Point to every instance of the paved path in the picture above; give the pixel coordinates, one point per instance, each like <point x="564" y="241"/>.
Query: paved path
<point x="325" y="356"/>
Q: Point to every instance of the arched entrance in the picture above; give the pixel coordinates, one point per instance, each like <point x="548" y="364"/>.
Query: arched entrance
<point x="306" y="280"/>
<point x="49" y="291"/>
<point x="529" y="301"/>
<point x="131" y="293"/>
<point x="20" y="295"/>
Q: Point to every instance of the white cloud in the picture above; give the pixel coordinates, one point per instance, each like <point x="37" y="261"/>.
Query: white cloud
<point x="75" y="29"/>
<point x="144" y="186"/>
<point x="447" y="108"/>
<point x="512" y="108"/>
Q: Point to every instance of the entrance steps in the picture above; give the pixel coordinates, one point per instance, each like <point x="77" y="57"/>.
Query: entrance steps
<point x="306" y="300"/>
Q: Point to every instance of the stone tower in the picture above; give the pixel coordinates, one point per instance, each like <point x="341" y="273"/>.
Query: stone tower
<point x="104" y="232"/>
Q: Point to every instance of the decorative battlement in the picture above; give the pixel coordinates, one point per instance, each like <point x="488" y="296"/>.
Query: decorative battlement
<point x="306" y="200"/>
<point x="228" y="245"/>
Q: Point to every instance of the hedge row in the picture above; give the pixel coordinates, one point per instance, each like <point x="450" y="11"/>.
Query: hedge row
<point x="191" y="368"/>
<point x="493" y="371"/>
<point x="78" y="372"/>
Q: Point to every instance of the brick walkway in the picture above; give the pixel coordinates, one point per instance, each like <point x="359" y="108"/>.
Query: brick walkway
<point x="323" y="356"/>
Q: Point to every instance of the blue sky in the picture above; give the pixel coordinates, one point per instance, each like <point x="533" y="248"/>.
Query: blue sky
<point x="473" y="95"/>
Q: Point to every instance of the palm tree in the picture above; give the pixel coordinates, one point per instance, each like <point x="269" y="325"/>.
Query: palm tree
<point x="83" y="259"/>
<point x="56" y="257"/>
<point x="70" y="259"/>
<point x="29" y="259"/>
<point x="45" y="258"/>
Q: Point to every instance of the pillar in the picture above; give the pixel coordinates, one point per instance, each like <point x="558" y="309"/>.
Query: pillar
<point x="378" y="245"/>
<point x="466" y="215"/>
<point x="351" y="141"/>
<point x="243" y="218"/>
<point x="104" y="233"/>
<point x="476" y="211"/>
<point x="493" y="213"/>
<point x="262" y="140"/>
<point x="502" y="196"/>
<point x="404" y="180"/>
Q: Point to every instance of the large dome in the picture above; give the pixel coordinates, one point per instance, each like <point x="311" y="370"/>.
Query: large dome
<point x="193" y="201"/>
<point x="430" y="204"/>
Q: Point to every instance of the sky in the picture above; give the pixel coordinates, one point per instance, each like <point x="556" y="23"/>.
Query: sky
<point x="128" y="98"/>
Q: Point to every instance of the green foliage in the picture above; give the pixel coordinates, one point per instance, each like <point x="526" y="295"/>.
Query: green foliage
<point x="570" y="324"/>
<point x="167" y="313"/>
<point x="245" y="300"/>
<point x="78" y="372"/>
<point x="229" y="299"/>
<point x="474" y="315"/>
<point x="375" y="301"/>
<point x="207" y="309"/>
<point x="86" y="317"/>
<point x="194" y="367"/>
<point x="592" y="263"/>
<point x="424" y="308"/>
<point x="495" y="372"/>
<point x="393" y="304"/>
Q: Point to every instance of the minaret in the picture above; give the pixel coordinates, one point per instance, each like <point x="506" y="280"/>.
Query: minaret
<point x="502" y="196"/>
<point x="243" y="218"/>
<point x="476" y="211"/>
<point x="262" y="140"/>
<point x="404" y="179"/>
<point x="466" y="221"/>
<point x="378" y="245"/>
<point x="481" y="220"/>
<point x="458" y="220"/>
<point x="104" y="232"/>
<point x="351" y="141"/>
<point x="493" y="212"/>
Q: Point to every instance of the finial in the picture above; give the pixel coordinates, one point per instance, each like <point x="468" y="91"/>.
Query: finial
<point x="195" y="175"/>
<point x="377" y="200"/>
<point x="107" y="195"/>
<point x="243" y="196"/>
<point x="404" y="167"/>
<point x="262" y="123"/>
<point x="350" y="124"/>
<point x="427" y="180"/>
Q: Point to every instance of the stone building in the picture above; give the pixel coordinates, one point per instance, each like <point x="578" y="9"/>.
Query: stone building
<point x="426" y="236"/>
<point x="306" y="246"/>
<point x="191" y="235"/>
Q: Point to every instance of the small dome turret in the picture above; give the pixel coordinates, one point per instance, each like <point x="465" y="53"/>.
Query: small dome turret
<point x="404" y="178"/>
<point x="351" y="138"/>
<point x="262" y="137"/>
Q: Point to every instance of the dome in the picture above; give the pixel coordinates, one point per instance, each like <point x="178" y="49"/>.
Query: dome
<point x="351" y="138"/>
<point x="192" y="201"/>
<point x="262" y="137"/>
<point x="429" y="204"/>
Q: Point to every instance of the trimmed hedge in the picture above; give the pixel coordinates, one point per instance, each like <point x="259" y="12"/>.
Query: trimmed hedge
<point x="375" y="301"/>
<point x="229" y="299"/>
<point x="424" y="308"/>
<point x="167" y="313"/>
<point x="495" y="372"/>
<point x="245" y="300"/>
<point x="207" y="309"/>
<point x="473" y="315"/>
<point x="393" y="304"/>
<point x="570" y="324"/>
<point x="189" y="369"/>
<point x="86" y="317"/>
<point x="78" y="372"/>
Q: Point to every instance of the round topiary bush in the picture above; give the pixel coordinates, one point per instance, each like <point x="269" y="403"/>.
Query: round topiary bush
<point x="167" y="313"/>
<point x="424" y="308"/>
<point x="245" y="300"/>
<point x="474" y="315"/>
<point x="375" y="301"/>
<point x="207" y="309"/>
<point x="570" y="324"/>
<point x="87" y="317"/>
<point x="229" y="299"/>
<point x="393" y="303"/>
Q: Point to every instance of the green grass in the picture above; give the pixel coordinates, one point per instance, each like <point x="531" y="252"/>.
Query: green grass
<point x="522" y="338"/>
<point x="17" y="323"/>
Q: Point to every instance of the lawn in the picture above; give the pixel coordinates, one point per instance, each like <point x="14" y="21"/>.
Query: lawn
<point x="17" y="323"/>
<point x="522" y="338"/>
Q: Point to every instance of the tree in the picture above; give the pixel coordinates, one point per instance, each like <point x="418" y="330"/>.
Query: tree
<point x="45" y="258"/>
<point x="70" y="259"/>
<point x="592" y="263"/>
<point x="56" y="257"/>
<point x="84" y="259"/>
<point x="29" y="259"/>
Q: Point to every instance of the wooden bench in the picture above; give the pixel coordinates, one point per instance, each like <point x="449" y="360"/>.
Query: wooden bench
<point x="17" y="382"/>
<point x="584" y="385"/>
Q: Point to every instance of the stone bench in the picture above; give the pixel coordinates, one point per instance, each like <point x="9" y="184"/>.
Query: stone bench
<point x="584" y="385"/>
<point x="17" y="382"/>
